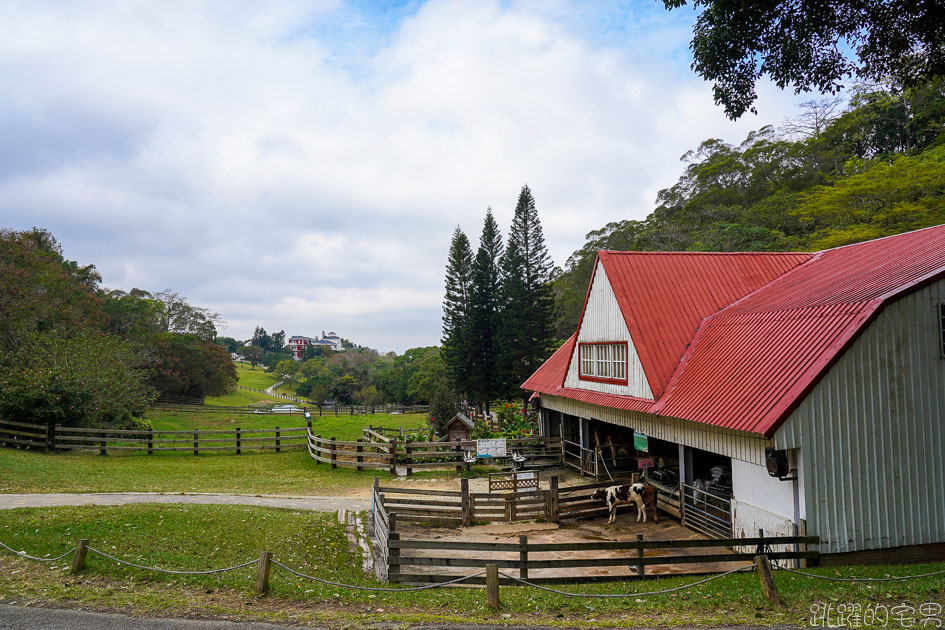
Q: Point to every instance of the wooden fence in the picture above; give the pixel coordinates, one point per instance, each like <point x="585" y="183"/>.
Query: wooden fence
<point x="24" y="435"/>
<point x="275" y="408"/>
<point x="196" y="441"/>
<point x="554" y="504"/>
<point x="524" y="556"/>
<point x="376" y="450"/>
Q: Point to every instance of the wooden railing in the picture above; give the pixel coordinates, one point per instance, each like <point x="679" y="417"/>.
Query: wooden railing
<point x="524" y="556"/>
<point x="300" y="408"/>
<point x="198" y="440"/>
<point x="24" y="435"/>
<point x="377" y="451"/>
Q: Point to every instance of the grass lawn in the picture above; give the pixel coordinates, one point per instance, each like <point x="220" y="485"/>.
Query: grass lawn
<point x="201" y="537"/>
<point x="256" y="378"/>
<point x="292" y="473"/>
<point x="342" y="427"/>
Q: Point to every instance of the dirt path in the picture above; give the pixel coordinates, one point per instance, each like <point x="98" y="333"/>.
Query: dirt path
<point x="319" y="504"/>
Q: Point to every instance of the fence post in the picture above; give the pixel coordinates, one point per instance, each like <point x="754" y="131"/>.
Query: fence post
<point x="407" y="460"/>
<point x="238" y="446"/>
<point x="392" y="552"/>
<point x="641" y="568"/>
<point x="352" y="410"/>
<point x="51" y="438"/>
<point x="318" y="442"/>
<point x="334" y="455"/>
<point x="103" y="447"/>
<point x="262" y="572"/>
<point x="78" y="558"/>
<point x="196" y="448"/>
<point x="509" y="509"/>
<point x="277" y="438"/>
<point x="523" y="557"/>
<point x="150" y="441"/>
<point x="360" y="458"/>
<point x="768" y="589"/>
<point x="467" y="508"/>
<point x="553" y="497"/>
<point x="393" y="456"/>
<point x="319" y="410"/>
<point x="492" y="585"/>
<point x="336" y="411"/>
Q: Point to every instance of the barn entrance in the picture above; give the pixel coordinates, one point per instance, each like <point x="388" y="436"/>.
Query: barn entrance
<point x="707" y="492"/>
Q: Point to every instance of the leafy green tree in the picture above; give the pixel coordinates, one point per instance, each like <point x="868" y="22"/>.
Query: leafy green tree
<point x="253" y="354"/>
<point x="878" y="199"/>
<point x="343" y="388"/>
<point x="527" y="311"/>
<point x="135" y="315"/>
<point x="187" y="365"/>
<point x="430" y="374"/>
<point x="287" y="369"/>
<point x="231" y="344"/>
<point x="456" y="306"/>
<point x="40" y="291"/>
<point x="443" y="406"/>
<point x="261" y="339"/>
<point x="82" y="379"/>
<point x="735" y="43"/>
<point x="277" y="341"/>
<point x="484" y="313"/>
<point x="179" y="316"/>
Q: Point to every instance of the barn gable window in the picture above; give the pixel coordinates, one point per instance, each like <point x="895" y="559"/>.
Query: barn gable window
<point x="603" y="362"/>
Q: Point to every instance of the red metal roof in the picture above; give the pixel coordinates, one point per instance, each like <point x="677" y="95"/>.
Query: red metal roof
<point x="664" y="297"/>
<point x="751" y="363"/>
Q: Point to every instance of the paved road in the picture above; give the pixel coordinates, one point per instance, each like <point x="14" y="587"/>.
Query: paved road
<point x="320" y="504"/>
<point x="18" y="618"/>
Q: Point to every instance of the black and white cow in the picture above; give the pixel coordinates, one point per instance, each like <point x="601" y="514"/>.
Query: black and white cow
<point x="637" y="493"/>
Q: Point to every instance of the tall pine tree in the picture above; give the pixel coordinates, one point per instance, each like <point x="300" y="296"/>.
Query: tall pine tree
<point x="484" y="314"/>
<point x="526" y="335"/>
<point x="456" y="312"/>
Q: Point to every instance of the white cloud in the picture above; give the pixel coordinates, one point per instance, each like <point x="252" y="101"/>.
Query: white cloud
<point x="227" y="151"/>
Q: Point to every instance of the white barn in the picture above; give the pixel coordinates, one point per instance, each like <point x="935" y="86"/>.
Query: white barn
<point x="829" y="367"/>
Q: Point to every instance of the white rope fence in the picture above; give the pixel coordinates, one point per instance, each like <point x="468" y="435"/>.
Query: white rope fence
<point x="840" y="579"/>
<point x="377" y="589"/>
<point x="160" y="570"/>
<point x="23" y="554"/>
<point x="639" y="594"/>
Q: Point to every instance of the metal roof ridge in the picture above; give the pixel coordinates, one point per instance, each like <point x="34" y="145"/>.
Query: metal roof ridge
<point x="687" y="253"/>
<point x="883" y="238"/>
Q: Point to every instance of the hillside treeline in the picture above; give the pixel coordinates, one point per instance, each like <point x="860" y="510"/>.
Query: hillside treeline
<point x="77" y="354"/>
<point x="833" y="176"/>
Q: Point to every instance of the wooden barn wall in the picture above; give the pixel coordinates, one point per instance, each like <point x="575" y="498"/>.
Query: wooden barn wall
<point x="603" y="321"/>
<point x="735" y="444"/>
<point x="872" y="434"/>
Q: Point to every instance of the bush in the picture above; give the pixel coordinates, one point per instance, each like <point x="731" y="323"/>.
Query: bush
<point x="515" y="424"/>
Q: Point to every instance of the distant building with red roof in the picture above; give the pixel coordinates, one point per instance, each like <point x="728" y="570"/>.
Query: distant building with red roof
<point x="827" y="367"/>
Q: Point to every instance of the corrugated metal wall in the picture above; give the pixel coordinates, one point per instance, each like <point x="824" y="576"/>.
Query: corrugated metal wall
<point x="603" y="321"/>
<point x="872" y="434"/>
<point x="743" y="446"/>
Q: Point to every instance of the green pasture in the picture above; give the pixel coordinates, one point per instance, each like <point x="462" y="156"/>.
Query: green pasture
<point x="342" y="427"/>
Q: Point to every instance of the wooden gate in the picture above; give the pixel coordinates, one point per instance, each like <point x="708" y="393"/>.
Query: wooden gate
<point x="510" y="506"/>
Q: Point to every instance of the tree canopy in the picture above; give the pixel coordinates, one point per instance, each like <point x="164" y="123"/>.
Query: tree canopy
<point x="804" y="45"/>
<point x="873" y="168"/>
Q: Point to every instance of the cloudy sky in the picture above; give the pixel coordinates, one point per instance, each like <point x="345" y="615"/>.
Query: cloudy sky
<point x="302" y="165"/>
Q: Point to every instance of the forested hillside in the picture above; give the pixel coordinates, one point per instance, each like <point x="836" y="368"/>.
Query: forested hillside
<point x="76" y="354"/>
<point x="830" y="177"/>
